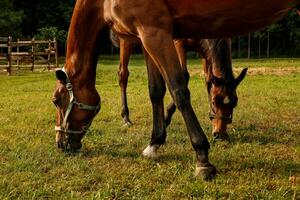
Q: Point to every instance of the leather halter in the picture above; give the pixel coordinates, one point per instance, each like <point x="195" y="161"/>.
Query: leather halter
<point x="73" y="101"/>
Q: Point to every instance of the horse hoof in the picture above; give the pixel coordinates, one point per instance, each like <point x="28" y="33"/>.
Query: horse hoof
<point x="127" y="124"/>
<point x="207" y="172"/>
<point x="150" y="151"/>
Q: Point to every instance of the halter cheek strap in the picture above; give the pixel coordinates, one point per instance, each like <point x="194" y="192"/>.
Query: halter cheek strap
<point x="73" y="101"/>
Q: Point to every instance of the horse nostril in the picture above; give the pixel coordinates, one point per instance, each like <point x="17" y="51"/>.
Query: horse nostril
<point x="216" y="134"/>
<point x="220" y="136"/>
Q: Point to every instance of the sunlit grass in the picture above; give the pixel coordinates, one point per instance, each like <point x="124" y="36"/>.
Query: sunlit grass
<point x="259" y="162"/>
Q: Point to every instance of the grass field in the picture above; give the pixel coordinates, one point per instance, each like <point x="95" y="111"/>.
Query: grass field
<point x="262" y="160"/>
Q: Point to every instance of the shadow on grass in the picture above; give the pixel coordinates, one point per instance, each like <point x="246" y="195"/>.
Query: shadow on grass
<point x="268" y="167"/>
<point x="120" y="151"/>
<point x="263" y="135"/>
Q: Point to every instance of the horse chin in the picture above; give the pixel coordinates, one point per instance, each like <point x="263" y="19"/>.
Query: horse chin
<point x="75" y="147"/>
<point x="221" y="136"/>
<point x="74" y="142"/>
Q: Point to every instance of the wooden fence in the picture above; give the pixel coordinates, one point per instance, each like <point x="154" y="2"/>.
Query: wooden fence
<point x="30" y="55"/>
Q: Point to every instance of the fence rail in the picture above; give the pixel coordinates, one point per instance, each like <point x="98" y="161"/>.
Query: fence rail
<point x="33" y="54"/>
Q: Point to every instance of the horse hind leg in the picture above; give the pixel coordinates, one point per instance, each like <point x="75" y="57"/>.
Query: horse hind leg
<point x="125" y="52"/>
<point x="159" y="44"/>
<point x="157" y="90"/>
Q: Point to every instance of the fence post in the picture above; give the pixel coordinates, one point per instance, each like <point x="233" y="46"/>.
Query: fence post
<point x="56" y="54"/>
<point x="9" y="58"/>
<point x="249" y="45"/>
<point x="32" y="54"/>
<point x="18" y="58"/>
<point x="49" y="55"/>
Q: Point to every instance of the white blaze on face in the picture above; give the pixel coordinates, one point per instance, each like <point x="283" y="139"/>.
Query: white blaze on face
<point x="226" y="100"/>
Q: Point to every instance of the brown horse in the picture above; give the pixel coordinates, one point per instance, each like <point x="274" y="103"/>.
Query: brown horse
<point x="155" y="23"/>
<point x="218" y="75"/>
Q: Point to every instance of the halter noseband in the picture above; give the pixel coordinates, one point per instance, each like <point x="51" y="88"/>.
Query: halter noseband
<point x="73" y="101"/>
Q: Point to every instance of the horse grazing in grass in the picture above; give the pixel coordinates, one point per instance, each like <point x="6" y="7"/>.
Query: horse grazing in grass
<point x="155" y="24"/>
<point x="218" y="77"/>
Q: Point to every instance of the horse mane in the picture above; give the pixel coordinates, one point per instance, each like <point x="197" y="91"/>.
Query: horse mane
<point x="218" y="51"/>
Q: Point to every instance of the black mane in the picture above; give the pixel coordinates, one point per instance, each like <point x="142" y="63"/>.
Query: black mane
<point x="218" y="51"/>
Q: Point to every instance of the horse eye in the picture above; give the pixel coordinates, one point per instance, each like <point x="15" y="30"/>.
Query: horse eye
<point x="217" y="101"/>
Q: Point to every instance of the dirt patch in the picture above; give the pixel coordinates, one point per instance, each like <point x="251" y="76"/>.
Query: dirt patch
<point x="256" y="71"/>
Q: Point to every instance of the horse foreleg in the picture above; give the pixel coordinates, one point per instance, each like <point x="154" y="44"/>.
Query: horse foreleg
<point x="159" y="44"/>
<point x="171" y="108"/>
<point x="126" y="48"/>
<point x="157" y="90"/>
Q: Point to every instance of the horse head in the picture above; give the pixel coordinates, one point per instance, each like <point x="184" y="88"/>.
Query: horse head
<point x="73" y="117"/>
<point x="223" y="99"/>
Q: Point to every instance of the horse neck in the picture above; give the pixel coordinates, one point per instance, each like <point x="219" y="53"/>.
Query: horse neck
<point x="217" y="55"/>
<point x="83" y="38"/>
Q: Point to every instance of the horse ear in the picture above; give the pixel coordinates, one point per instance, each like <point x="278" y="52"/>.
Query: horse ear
<point x="239" y="79"/>
<point x="61" y="75"/>
<point x="216" y="81"/>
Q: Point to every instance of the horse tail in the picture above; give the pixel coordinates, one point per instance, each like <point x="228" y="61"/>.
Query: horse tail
<point x="114" y="38"/>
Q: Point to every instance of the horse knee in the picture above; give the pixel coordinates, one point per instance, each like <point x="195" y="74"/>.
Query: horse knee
<point x="157" y="93"/>
<point x="123" y="76"/>
<point x="182" y="98"/>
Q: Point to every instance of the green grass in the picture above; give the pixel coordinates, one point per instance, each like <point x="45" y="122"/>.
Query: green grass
<point x="259" y="162"/>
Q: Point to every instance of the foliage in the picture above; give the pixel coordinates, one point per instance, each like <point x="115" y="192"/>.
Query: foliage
<point x="53" y="32"/>
<point x="259" y="162"/>
<point x="10" y="19"/>
<point x="21" y="18"/>
<point x="284" y="37"/>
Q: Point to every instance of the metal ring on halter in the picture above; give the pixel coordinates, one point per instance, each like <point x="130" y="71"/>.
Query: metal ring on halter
<point x="73" y="101"/>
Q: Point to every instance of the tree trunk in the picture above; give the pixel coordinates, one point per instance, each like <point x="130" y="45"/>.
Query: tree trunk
<point x="258" y="47"/>
<point x="268" y="45"/>
<point x="239" y="47"/>
<point x="249" y="46"/>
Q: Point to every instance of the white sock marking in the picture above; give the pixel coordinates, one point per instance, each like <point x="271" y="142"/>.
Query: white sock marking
<point x="150" y="151"/>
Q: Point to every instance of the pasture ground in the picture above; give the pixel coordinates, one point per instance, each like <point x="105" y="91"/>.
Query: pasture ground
<point x="262" y="160"/>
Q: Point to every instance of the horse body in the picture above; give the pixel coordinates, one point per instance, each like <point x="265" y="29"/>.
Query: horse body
<point x="206" y="19"/>
<point x="154" y="23"/>
<point x="215" y="19"/>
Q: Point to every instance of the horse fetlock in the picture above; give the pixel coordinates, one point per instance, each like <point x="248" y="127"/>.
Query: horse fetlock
<point x="151" y="151"/>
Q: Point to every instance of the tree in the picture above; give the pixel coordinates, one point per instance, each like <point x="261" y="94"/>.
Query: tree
<point x="10" y="19"/>
<point x="260" y="35"/>
<point x="53" y="32"/>
<point x="41" y="14"/>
